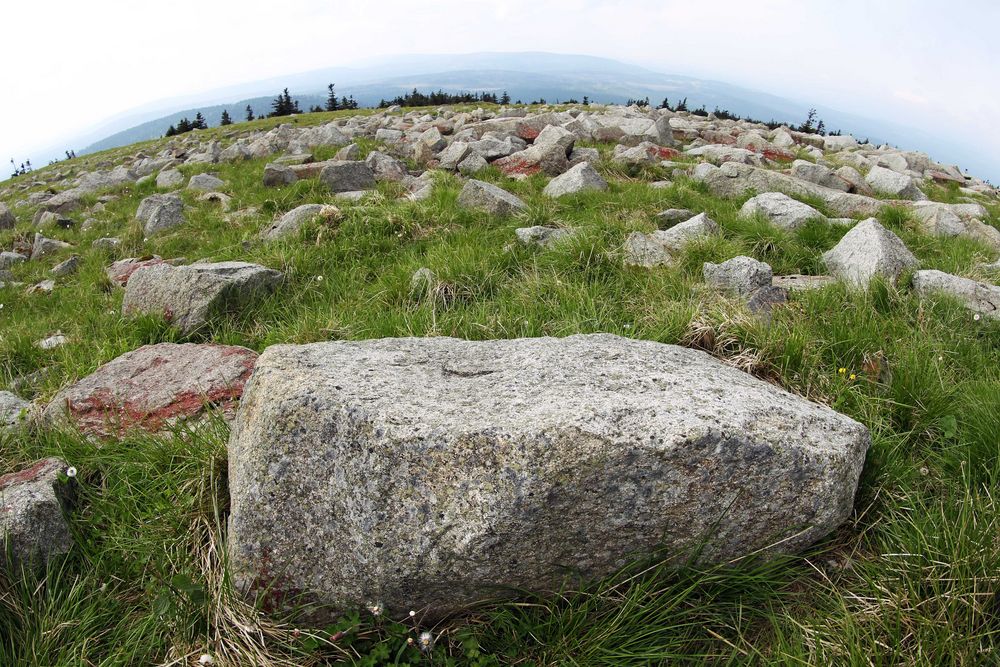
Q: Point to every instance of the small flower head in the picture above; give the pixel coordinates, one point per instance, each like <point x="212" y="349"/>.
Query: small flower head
<point x="853" y="376"/>
<point x="841" y="370"/>
<point x="205" y="659"/>
<point x="319" y="279"/>
<point x="976" y="317"/>
<point x="71" y="472"/>
<point x="425" y="641"/>
<point x="412" y="613"/>
<point x="409" y="641"/>
<point x="375" y="609"/>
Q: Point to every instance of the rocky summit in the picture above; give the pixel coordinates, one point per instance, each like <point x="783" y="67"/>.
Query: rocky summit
<point x="625" y="382"/>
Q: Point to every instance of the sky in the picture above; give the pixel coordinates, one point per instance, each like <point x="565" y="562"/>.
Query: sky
<point x="924" y="63"/>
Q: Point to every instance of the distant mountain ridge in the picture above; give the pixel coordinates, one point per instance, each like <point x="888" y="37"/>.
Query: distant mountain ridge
<point x="525" y="76"/>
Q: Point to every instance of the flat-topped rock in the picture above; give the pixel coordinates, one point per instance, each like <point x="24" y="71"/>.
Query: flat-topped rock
<point x="153" y="388"/>
<point x="428" y="473"/>
<point x="158" y="213"/>
<point x="190" y="296"/>
<point x="780" y="210"/>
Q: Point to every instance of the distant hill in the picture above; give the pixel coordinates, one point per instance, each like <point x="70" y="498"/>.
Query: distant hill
<point x="526" y="76"/>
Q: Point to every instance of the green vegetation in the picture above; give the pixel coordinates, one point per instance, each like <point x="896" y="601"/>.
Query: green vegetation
<point x="913" y="579"/>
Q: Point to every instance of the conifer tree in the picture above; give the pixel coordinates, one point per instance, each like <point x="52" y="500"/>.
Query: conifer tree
<point x="250" y="115"/>
<point x="171" y="131"/>
<point x="226" y="120"/>
<point x="505" y="98"/>
<point x="199" y="122"/>
<point x="586" y="101"/>
<point x="331" y="99"/>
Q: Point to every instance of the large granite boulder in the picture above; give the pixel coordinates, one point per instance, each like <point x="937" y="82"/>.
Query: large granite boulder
<point x="893" y="184"/>
<point x="33" y="503"/>
<point x="190" y="296"/>
<point x="427" y="473"/>
<point x="580" y="178"/>
<point x="661" y="247"/>
<point x="347" y="176"/>
<point x="153" y="388"/>
<point x="780" y="210"/>
<point x="869" y="249"/>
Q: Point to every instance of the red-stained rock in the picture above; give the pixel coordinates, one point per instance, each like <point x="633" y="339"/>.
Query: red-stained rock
<point x="122" y="270"/>
<point x="154" y="387"/>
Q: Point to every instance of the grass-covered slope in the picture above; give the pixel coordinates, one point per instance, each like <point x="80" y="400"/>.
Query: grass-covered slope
<point x="914" y="578"/>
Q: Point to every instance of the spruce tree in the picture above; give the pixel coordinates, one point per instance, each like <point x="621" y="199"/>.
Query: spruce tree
<point x="250" y="115"/>
<point x="171" y="131"/>
<point x="505" y="98"/>
<point x="199" y="122"/>
<point x="226" y="120"/>
<point x="586" y="101"/>
<point x="331" y="99"/>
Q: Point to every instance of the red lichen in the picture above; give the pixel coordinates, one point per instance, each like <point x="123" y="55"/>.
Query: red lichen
<point x="26" y="475"/>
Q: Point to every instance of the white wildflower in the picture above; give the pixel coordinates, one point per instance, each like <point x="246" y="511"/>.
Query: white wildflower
<point x="205" y="659"/>
<point x="71" y="472"/>
<point x="426" y="641"/>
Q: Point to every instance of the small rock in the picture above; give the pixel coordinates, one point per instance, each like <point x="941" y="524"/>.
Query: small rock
<point x="869" y="249"/>
<point x="45" y="246"/>
<point x="33" y="504"/>
<point x="278" y="174"/>
<point x="672" y="216"/>
<point x="545" y="237"/>
<point x="488" y="197"/>
<point x="348" y="153"/>
<point x="472" y="164"/>
<point x="780" y="210"/>
<point x="740" y="275"/>
<point x="658" y="248"/>
<point x="347" y="177"/>
<point x="169" y="178"/>
<point x="52" y="342"/>
<point x="13" y="411"/>
<point x="7" y="218"/>
<point x="67" y="267"/>
<point x="44" y="287"/>
<point x="580" y="178"/>
<point x="159" y="213"/>
<point x="795" y="282"/>
<point x="107" y="243"/>
<point x="293" y="220"/>
<point x="9" y="259"/>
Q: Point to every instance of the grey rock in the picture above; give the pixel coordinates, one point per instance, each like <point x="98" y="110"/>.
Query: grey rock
<point x="33" y="503"/>
<point x="385" y="167"/>
<point x="780" y="210"/>
<point x="741" y="275"/>
<point x="44" y="287"/>
<point x="856" y="182"/>
<point x="722" y="153"/>
<point x="206" y="183"/>
<point x="433" y="139"/>
<point x="591" y="155"/>
<point x="349" y="152"/>
<point x="453" y="155"/>
<point x="869" y="249"/>
<point x="659" y="248"/>
<point x="276" y="175"/>
<point x="428" y="473"/>
<point x="839" y="143"/>
<point x="293" y="220"/>
<point x="169" y="178"/>
<point x="9" y="259"/>
<point x="347" y="177"/>
<point x="43" y="246"/>
<point x="488" y="197"/>
<point x="472" y="164"/>
<point x="553" y="135"/>
<point x="894" y="184"/>
<point x="13" y="411"/>
<point x="545" y="237"/>
<point x="66" y="267"/>
<point x="763" y="300"/>
<point x="977" y="297"/>
<point x="191" y="296"/>
<point x="672" y="216"/>
<point x="52" y="342"/>
<point x="580" y="178"/>
<point x="158" y="213"/>
<point x="794" y="282"/>
<point x="7" y="218"/>
<point x="820" y="175"/>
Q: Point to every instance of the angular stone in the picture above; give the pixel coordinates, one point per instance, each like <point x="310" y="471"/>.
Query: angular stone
<point x="153" y="388"/>
<point x="740" y="275"/>
<point x="347" y="176"/>
<point x="427" y="473"/>
<point x="977" y="297"/>
<point x="120" y="271"/>
<point x="43" y="246"/>
<point x="292" y="221"/>
<point x="796" y="281"/>
<point x="780" y="210"/>
<point x="385" y="167"/>
<point x="488" y="197"/>
<point x="453" y="155"/>
<point x="159" y="213"/>
<point x="869" y="249"/>
<point x="820" y="175"/>
<point x="658" y="248"/>
<point x="545" y="237"/>
<point x="12" y="410"/>
<point x="472" y="164"/>
<point x="190" y="296"/>
<point x="206" y="183"/>
<point x="7" y="219"/>
<point x="33" y="505"/>
<point x="9" y="259"/>
<point x="894" y="184"/>
<point x="66" y="267"/>
<point x="580" y="178"/>
<point x="672" y="216"/>
<point x="276" y="175"/>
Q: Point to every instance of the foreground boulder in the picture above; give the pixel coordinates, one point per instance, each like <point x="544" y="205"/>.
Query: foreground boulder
<point x="426" y="473"/>
<point x="190" y="296"/>
<point x="153" y="388"/>
<point x="33" y="503"/>
<point x="869" y="249"/>
<point x="977" y="297"/>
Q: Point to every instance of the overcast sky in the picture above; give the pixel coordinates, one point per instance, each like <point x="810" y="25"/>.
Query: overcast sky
<point x="926" y="63"/>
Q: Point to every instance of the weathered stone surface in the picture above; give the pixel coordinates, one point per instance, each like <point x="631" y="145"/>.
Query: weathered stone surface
<point x="488" y="197"/>
<point x="672" y="216"/>
<point x="658" y="248"/>
<point x="472" y="164"/>
<point x="720" y="153"/>
<point x="385" y="167"/>
<point x="981" y="298"/>
<point x="894" y="184"/>
<point x="33" y="503"/>
<point x="43" y="246"/>
<point x="292" y="221"/>
<point x="12" y="410"/>
<point x="67" y="267"/>
<point x="276" y="175"/>
<point x="453" y="155"/>
<point x="347" y="176"/>
<point x="153" y="388"/>
<point x="869" y="249"/>
<point x="206" y="183"/>
<point x="159" y="213"/>
<point x="169" y="178"/>
<point x="732" y="180"/>
<point x="542" y="236"/>
<point x="119" y="272"/>
<point x="855" y="181"/>
<point x="741" y="275"/>
<point x="820" y="175"/>
<point x="796" y="281"/>
<point x="9" y="259"/>
<point x="7" y="219"/>
<point x="580" y="178"/>
<point x="427" y="473"/>
<point x="780" y="210"/>
<point x="190" y="296"/>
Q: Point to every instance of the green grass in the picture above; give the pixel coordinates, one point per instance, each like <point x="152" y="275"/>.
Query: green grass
<point x="913" y="578"/>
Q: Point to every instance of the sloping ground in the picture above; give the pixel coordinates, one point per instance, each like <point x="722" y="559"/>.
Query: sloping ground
<point x="911" y="578"/>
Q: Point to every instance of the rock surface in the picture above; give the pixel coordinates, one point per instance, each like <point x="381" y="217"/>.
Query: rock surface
<point x="488" y="197"/>
<point x="347" y="177"/>
<point x="780" y="210"/>
<point x="33" y="503"/>
<point x="12" y="409"/>
<point x="740" y="275"/>
<point x="580" y="178"/>
<point x="869" y="249"/>
<point x="153" y="388"/>
<point x="428" y="473"/>
<point x="981" y="298"/>
<point x="191" y="296"/>
<point x="292" y="221"/>
<point x="159" y="213"/>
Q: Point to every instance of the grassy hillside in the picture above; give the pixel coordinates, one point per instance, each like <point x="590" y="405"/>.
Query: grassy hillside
<point x="914" y="578"/>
